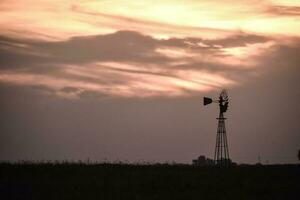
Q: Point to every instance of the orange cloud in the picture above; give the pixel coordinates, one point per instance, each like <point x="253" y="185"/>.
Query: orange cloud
<point x="58" y="20"/>
<point x="139" y="49"/>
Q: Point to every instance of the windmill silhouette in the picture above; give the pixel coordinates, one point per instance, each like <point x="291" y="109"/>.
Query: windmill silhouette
<point x="221" y="157"/>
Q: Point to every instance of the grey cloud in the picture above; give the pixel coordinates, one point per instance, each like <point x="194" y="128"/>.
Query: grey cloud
<point x="286" y="54"/>
<point x="69" y="89"/>
<point x="236" y="40"/>
<point x="239" y="40"/>
<point x="122" y="46"/>
<point x="128" y="47"/>
<point x="91" y="95"/>
<point x="282" y="59"/>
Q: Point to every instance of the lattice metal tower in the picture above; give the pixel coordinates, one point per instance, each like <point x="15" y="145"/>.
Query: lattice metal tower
<point x="221" y="157"/>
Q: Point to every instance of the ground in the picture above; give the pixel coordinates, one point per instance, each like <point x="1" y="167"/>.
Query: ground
<point x="123" y="181"/>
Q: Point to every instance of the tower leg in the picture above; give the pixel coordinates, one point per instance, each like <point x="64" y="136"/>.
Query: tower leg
<point x="221" y="157"/>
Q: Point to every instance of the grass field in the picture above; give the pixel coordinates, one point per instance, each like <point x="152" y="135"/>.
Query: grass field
<point x="121" y="181"/>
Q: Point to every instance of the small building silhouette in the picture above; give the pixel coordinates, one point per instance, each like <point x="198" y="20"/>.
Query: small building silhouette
<point x="203" y="161"/>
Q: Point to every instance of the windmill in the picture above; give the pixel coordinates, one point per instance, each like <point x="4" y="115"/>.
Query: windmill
<point x="221" y="157"/>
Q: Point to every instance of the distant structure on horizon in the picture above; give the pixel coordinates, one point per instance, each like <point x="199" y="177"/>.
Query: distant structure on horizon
<point x="203" y="161"/>
<point x="221" y="157"/>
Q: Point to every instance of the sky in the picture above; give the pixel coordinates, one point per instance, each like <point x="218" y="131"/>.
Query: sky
<point x="123" y="80"/>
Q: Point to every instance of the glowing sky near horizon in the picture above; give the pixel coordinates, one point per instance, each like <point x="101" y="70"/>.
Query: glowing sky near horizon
<point x="184" y="38"/>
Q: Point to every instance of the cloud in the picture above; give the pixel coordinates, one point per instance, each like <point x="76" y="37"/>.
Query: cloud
<point x="61" y="20"/>
<point x="120" y="46"/>
<point x="281" y="10"/>
<point x="156" y="28"/>
<point x="130" y="64"/>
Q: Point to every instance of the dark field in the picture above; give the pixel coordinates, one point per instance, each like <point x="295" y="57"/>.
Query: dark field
<point x="119" y="181"/>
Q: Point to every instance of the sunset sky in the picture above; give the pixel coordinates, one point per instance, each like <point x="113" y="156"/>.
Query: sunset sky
<point x="124" y="80"/>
